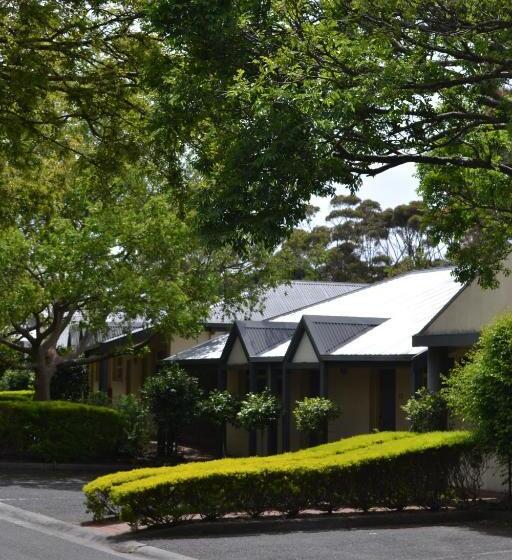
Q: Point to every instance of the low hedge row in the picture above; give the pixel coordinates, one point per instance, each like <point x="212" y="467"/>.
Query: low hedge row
<point x="22" y="395"/>
<point x="391" y="470"/>
<point x="58" y="431"/>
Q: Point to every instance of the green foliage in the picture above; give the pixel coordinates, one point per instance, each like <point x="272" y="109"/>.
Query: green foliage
<point x="136" y="426"/>
<point x="98" y="398"/>
<point x="258" y="411"/>
<point x="479" y="390"/>
<point x="312" y="414"/>
<point x="278" y="101"/>
<point x="70" y="383"/>
<point x="59" y="431"/>
<point x="379" y="470"/>
<point x="173" y="398"/>
<point x="220" y="407"/>
<point x="426" y="411"/>
<point x="24" y="395"/>
<point x="16" y="380"/>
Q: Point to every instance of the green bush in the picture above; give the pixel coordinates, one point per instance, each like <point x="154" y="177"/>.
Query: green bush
<point x="98" y="398"/>
<point x="26" y="395"/>
<point x="426" y="411"/>
<point x="258" y="411"/>
<point x="16" y="380"/>
<point x="136" y="426"/>
<point x="70" y="383"/>
<point x="312" y="414"/>
<point x="391" y="470"/>
<point x="59" y="431"/>
<point x="173" y="398"/>
<point x="479" y="392"/>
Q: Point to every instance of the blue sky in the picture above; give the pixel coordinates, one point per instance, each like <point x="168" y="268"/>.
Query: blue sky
<point x="396" y="186"/>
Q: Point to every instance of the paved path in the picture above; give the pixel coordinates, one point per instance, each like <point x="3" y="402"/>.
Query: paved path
<point x="477" y="541"/>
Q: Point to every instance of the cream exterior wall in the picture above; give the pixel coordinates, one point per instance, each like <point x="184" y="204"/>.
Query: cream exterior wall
<point x="473" y="308"/>
<point x="237" y="355"/>
<point x="349" y="388"/>
<point x="305" y="353"/>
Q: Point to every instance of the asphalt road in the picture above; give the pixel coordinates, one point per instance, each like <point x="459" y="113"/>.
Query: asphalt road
<point x="476" y="541"/>
<point x="54" y="493"/>
<point x="21" y="543"/>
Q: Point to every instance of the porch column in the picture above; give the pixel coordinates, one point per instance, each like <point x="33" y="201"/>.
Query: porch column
<point x="323" y="392"/>
<point x="222" y="383"/>
<point x="272" y="430"/>
<point x="434" y="362"/>
<point x="323" y="389"/>
<point x="253" y="387"/>
<point x="416" y="367"/>
<point x="286" y="408"/>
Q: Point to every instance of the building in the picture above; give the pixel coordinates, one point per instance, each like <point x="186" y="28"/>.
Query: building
<point x="368" y="350"/>
<point x="117" y="373"/>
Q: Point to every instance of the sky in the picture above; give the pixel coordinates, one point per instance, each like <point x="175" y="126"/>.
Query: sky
<point x="394" y="187"/>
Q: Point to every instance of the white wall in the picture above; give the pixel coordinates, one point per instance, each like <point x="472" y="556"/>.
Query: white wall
<point x="305" y="353"/>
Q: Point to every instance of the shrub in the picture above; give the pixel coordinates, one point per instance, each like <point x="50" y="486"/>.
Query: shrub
<point x="479" y="392"/>
<point x="17" y="380"/>
<point x="220" y="408"/>
<point x="391" y="470"/>
<point x="98" y="398"/>
<point x="258" y="411"/>
<point x="312" y="414"/>
<point x="136" y="426"/>
<point x="173" y="398"/>
<point x="25" y="395"/>
<point x="70" y="383"/>
<point x="426" y="411"/>
<point x="59" y="431"/>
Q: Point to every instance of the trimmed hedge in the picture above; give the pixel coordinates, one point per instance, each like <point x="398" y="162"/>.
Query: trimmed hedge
<point x="392" y="470"/>
<point x="22" y="395"/>
<point x="58" y="431"/>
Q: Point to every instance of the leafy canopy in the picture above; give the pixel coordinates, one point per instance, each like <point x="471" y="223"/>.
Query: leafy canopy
<point x="277" y="101"/>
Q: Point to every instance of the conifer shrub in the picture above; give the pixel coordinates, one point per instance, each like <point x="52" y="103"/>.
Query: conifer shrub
<point x="391" y="470"/>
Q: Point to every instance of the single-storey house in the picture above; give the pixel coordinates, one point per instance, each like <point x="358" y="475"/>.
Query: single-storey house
<point x="124" y="373"/>
<point x="368" y="350"/>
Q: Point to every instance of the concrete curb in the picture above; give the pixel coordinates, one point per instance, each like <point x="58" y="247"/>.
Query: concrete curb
<point x="133" y="549"/>
<point x="323" y="523"/>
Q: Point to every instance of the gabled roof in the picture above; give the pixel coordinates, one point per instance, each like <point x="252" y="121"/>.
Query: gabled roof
<point x="330" y="333"/>
<point x="258" y="337"/>
<point x="296" y="295"/>
<point x="210" y="351"/>
<point x="346" y="329"/>
<point x="409" y="301"/>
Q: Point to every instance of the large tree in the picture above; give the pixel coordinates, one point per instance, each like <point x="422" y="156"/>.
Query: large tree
<point x="70" y="62"/>
<point x="125" y="248"/>
<point x="280" y="100"/>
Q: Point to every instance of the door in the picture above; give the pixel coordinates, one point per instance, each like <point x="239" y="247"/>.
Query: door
<point x="387" y="400"/>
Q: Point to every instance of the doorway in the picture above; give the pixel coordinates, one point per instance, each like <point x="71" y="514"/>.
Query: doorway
<point x="387" y="400"/>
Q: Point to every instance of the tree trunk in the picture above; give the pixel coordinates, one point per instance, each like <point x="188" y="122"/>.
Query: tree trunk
<point x="43" y="376"/>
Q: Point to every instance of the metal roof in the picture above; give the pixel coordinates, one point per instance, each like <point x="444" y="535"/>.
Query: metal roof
<point x="285" y="298"/>
<point x="329" y="333"/>
<point x="210" y="350"/>
<point x="345" y="328"/>
<point x="259" y="336"/>
<point x="409" y="301"/>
